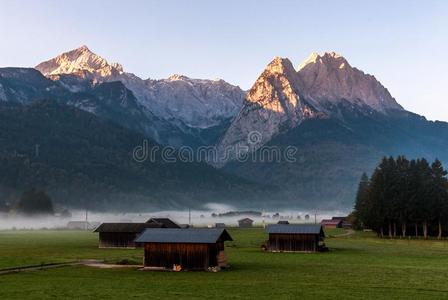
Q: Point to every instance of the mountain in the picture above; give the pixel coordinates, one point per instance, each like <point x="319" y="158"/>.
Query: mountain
<point x="83" y="160"/>
<point x="298" y="138"/>
<point x="338" y="120"/>
<point x="197" y="109"/>
<point x="282" y="98"/>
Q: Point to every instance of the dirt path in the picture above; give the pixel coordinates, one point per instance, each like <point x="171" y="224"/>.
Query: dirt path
<point x="346" y="233"/>
<point x="101" y="265"/>
<point x="48" y="266"/>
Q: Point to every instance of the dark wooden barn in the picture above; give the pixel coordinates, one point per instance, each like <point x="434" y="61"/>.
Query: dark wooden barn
<point x="121" y="235"/>
<point x="245" y="223"/>
<point x="283" y="222"/>
<point x="295" y="238"/>
<point x="166" y="222"/>
<point x="184" y="249"/>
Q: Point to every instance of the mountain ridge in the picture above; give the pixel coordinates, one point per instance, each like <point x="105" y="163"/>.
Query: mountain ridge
<point x="188" y="104"/>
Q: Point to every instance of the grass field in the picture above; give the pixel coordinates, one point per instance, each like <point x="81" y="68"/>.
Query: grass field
<point x="359" y="266"/>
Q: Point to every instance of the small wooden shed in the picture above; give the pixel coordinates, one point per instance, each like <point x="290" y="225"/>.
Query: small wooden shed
<point x="166" y="222"/>
<point x="79" y="225"/>
<point x="245" y="223"/>
<point x="121" y="235"/>
<point x="184" y="249"/>
<point x="283" y="222"/>
<point x="333" y="223"/>
<point x="295" y="238"/>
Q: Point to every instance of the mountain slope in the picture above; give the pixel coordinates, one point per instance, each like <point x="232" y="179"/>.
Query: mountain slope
<point x="189" y="105"/>
<point x="24" y="85"/>
<point x="332" y="154"/>
<point x="108" y="100"/>
<point x="83" y="160"/>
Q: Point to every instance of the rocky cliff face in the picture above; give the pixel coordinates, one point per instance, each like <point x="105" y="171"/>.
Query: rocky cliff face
<point x="282" y="98"/>
<point x="328" y="79"/>
<point x="186" y="103"/>
<point x="272" y="103"/>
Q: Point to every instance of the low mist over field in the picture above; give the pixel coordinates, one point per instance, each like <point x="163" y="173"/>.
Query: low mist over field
<point x="206" y="217"/>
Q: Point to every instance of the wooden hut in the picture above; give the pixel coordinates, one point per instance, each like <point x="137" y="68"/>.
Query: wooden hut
<point x="121" y="235"/>
<point x="333" y="223"/>
<point x="184" y="249"/>
<point x="245" y="223"/>
<point x="283" y="222"/>
<point x="80" y="225"/>
<point x="295" y="238"/>
<point x="166" y="222"/>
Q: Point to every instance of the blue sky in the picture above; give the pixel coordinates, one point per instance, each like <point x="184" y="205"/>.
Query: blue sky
<point x="403" y="43"/>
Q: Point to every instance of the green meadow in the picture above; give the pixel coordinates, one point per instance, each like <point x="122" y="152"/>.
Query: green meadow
<point x="359" y="266"/>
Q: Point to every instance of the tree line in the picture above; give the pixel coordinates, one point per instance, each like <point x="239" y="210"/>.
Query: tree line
<point x="404" y="198"/>
<point x="31" y="202"/>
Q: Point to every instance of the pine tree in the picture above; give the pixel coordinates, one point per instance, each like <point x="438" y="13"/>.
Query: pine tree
<point x="440" y="200"/>
<point x="362" y="201"/>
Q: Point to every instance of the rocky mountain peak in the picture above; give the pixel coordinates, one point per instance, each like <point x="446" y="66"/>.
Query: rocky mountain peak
<point x="280" y="65"/>
<point x="275" y="86"/>
<point x="79" y="60"/>
<point x="329" y="79"/>
<point x="176" y="77"/>
<point x="329" y="59"/>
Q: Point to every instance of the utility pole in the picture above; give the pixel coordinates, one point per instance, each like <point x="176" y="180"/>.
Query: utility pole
<point x="87" y="218"/>
<point x="189" y="216"/>
<point x="262" y="215"/>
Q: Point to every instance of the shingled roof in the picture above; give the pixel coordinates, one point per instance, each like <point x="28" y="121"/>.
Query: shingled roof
<point x="331" y="222"/>
<point x="126" y="227"/>
<point x="295" y="229"/>
<point x="189" y="236"/>
<point x="165" y="221"/>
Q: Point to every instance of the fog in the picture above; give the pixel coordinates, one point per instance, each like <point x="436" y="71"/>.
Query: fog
<point x="199" y="218"/>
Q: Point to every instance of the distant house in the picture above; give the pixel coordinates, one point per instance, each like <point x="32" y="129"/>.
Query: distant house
<point x="327" y="223"/>
<point x="295" y="238"/>
<point x="345" y="223"/>
<point x="164" y="221"/>
<point x="283" y="222"/>
<point x="245" y="223"/>
<point x="220" y="225"/>
<point x="80" y="225"/>
<point x="121" y="235"/>
<point x="184" y="249"/>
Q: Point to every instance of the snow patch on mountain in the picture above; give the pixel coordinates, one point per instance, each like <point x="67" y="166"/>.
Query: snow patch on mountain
<point x="184" y="101"/>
